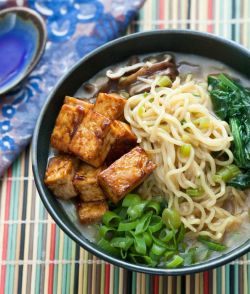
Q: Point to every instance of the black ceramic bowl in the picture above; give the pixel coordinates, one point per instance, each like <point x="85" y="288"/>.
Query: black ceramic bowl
<point x="183" y="41"/>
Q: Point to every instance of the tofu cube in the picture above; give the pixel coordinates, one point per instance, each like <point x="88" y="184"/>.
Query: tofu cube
<point x="92" y="212"/>
<point x="110" y="105"/>
<point x="125" y="174"/>
<point x="91" y="141"/>
<point x="59" y="176"/>
<point x="70" y="116"/>
<point x="86" y="183"/>
<point x="123" y="140"/>
<point x="81" y="102"/>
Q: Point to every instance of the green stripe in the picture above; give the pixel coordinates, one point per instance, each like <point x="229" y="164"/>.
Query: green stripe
<point x="102" y="278"/>
<point x="218" y="278"/>
<point x="227" y="278"/>
<point x="116" y="280"/>
<point x="236" y="278"/>
<point x="133" y="283"/>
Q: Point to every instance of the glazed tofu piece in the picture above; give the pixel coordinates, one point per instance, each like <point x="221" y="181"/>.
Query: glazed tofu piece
<point x="69" y="118"/>
<point x="59" y="176"/>
<point x="81" y="102"/>
<point x="86" y="183"/>
<point x="92" y="212"/>
<point x="123" y="140"/>
<point x="91" y="141"/>
<point x="110" y="105"/>
<point x="125" y="174"/>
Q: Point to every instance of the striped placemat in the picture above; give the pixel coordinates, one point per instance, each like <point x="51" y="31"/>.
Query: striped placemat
<point x="37" y="257"/>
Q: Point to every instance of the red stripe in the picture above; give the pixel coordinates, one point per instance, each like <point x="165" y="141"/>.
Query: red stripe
<point x="205" y="283"/>
<point x="107" y="278"/>
<point x="5" y="232"/>
<point x="161" y="13"/>
<point x="156" y="284"/>
<point x="52" y="257"/>
<point x="210" y="15"/>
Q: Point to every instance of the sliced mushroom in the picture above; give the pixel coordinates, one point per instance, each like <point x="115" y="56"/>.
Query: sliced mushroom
<point x="146" y="70"/>
<point x="123" y="70"/>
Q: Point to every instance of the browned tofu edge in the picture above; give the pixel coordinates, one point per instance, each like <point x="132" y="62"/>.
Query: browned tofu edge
<point x="91" y="212"/>
<point x="66" y="162"/>
<point x="109" y="189"/>
<point x="110" y="104"/>
<point x="100" y="135"/>
<point x="86" y="175"/>
<point x="123" y="140"/>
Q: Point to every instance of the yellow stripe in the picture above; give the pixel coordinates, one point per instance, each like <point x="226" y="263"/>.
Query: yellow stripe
<point x="80" y="277"/>
<point x="197" y="283"/>
<point x="170" y="283"/>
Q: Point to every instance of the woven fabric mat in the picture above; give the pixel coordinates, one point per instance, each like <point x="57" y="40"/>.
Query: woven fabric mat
<point x="37" y="257"/>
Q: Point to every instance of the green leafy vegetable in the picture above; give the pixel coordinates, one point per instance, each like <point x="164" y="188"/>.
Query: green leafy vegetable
<point x="231" y="102"/>
<point x="241" y="181"/>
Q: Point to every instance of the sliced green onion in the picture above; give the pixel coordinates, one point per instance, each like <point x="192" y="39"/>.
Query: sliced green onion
<point x="164" y="81"/>
<point x="155" y="224"/>
<point x="177" y="261"/>
<point x="138" y="259"/>
<point x="181" y="234"/>
<point x="171" y="218"/>
<point x="136" y="211"/>
<point x="105" y="245"/>
<point x="189" y="256"/>
<point x="145" y="94"/>
<point x="162" y="244"/>
<point x="157" y="250"/>
<point x="126" y="226"/>
<point x="202" y="253"/>
<point x="104" y="230"/>
<point x="121" y="242"/>
<point x="131" y="199"/>
<point x="140" y="245"/>
<point x="202" y="122"/>
<point x="227" y="173"/>
<point x="166" y="235"/>
<point x="154" y="206"/>
<point x="215" y="246"/>
<point x="111" y="219"/>
<point x="195" y="192"/>
<point x="168" y="254"/>
<point x="185" y="150"/>
<point x="143" y="223"/>
<point x="148" y="239"/>
<point x="141" y="111"/>
<point x="123" y="253"/>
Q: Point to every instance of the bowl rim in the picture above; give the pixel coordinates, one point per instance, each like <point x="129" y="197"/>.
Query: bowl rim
<point x="86" y="244"/>
<point x="42" y="33"/>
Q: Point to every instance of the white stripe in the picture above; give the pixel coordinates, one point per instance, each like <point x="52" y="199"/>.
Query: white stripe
<point x="194" y="21"/>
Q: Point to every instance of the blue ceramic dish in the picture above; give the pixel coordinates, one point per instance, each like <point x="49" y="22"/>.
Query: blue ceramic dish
<point x="22" y="41"/>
